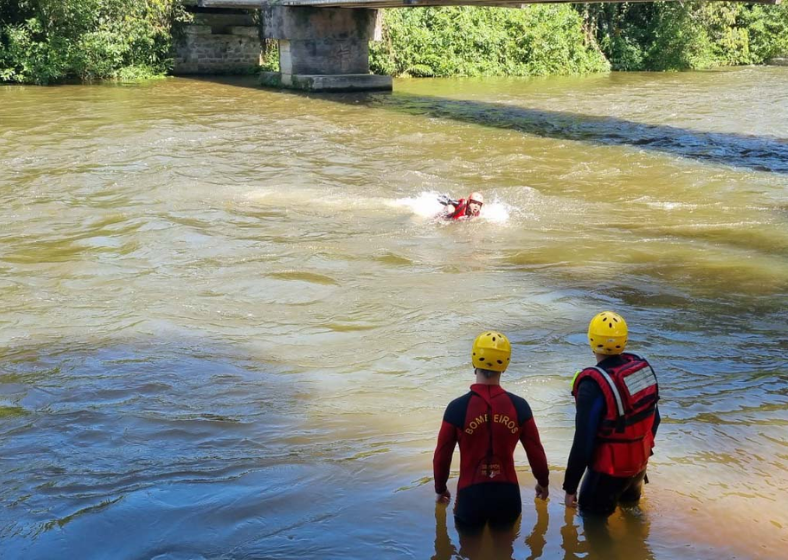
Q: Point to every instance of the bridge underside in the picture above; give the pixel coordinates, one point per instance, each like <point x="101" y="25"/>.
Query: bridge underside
<point x="323" y="44"/>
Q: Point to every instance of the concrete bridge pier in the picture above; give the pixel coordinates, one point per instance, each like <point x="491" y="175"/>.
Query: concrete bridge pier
<point x="322" y="49"/>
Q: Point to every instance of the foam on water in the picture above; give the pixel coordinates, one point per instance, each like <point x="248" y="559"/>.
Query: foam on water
<point x="426" y="205"/>
<point x="666" y="205"/>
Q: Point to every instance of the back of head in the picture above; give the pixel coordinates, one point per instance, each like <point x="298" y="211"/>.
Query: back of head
<point x="491" y="351"/>
<point x="608" y="333"/>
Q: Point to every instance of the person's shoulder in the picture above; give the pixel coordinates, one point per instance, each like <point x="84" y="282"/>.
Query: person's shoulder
<point x="522" y="407"/>
<point x="459" y="401"/>
<point x="589" y="386"/>
<point x="639" y="358"/>
<point x="456" y="409"/>
<point x="590" y="374"/>
<point x="516" y="398"/>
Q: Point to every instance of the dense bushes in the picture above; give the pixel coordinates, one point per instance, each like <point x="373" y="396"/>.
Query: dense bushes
<point x="676" y="36"/>
<point x="550" y="39"/>
<point x="539" y="40"/>
<point x="42" y="41"/>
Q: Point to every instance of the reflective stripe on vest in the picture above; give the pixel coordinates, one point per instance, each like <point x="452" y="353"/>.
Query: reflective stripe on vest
<point x="640" y="380"/>
<point x="613" y="388"/>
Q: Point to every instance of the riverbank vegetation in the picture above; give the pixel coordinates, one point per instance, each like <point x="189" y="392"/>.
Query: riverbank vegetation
<point x="45" y="41"/>
<point x="562" y="39"/>
<point x="688" y="36"/>
<point x="467" y="41"/>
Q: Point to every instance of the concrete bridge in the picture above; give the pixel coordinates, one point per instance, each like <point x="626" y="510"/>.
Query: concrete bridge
<point x="323" y="44"/>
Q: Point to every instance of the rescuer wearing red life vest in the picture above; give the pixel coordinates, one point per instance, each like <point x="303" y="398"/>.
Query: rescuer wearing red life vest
<point x="465" y="208"/>
<point x="616" y="421"/>
<point x="488" y="422"/>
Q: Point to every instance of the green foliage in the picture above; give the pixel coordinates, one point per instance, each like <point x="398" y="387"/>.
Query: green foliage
<point x="466" y="41"/>
<point x="683" y="36"/>
<point x="43" y="41"/>
<point x="680" y="41"/>
<point x="28" y="56"/>
<point x="269" y="61"/>
<point x="550" y="39"/>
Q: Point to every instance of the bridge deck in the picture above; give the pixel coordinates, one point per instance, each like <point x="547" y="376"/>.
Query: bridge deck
<point x="258" y="4"/>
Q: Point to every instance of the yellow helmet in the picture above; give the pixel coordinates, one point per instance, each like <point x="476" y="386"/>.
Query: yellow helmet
<point x="607" y="333"/>
<point x="491" y="350"/>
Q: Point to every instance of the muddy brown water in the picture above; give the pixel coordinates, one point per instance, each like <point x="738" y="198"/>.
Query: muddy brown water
<point x="230" y="327"/>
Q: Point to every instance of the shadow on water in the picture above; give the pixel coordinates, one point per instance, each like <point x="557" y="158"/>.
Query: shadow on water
<point x="102" y="429"/>
<point x="757" y="153"/>
<point x="752" y="152"/>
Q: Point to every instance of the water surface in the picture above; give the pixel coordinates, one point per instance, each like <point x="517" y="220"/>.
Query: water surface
<point x="228" y="331"/>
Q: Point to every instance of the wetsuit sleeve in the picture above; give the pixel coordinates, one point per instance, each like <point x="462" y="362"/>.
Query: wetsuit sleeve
<point x="441" y="461"/>
<point x="529" y="437"/>
<point x="590" y="411"/>
<point x="453" y="421"/>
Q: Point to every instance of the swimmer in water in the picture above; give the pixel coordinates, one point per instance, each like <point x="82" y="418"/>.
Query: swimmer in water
<point x="463" y="209"/>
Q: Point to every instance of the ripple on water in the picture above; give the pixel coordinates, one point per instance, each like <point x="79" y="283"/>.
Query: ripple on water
<point x="291" y="330"/>
<point x="309" y="277"/>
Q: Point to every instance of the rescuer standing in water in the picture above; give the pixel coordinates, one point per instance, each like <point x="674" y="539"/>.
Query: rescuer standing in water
<point x="616" y="421"/>
<point x="488" y="422"/>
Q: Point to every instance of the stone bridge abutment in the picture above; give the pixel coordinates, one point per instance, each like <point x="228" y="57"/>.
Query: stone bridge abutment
<point x="323" y="44"/>
<point x="218" y="42"/>
<point x="320" y="49"/>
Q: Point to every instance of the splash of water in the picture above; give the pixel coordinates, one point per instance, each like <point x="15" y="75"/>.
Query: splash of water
<point x="426" y="205"/>
<point x="496" y="212"/>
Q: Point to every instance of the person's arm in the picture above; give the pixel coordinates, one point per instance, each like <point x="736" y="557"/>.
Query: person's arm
<point x="449" y="204"/>
<point x="590" y="411"/>
<point x="441" y="461"/>
<point x="529" y="437"/>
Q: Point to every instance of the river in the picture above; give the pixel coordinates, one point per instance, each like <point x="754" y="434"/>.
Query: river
<point x="230" y="325"/>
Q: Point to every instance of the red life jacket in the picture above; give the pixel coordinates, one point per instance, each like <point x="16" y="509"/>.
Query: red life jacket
<point x="624" y="439"/>
<point x="459" y="210"/>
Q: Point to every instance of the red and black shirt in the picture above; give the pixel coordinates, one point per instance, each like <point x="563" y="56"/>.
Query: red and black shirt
<point x="487" y="422"/>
